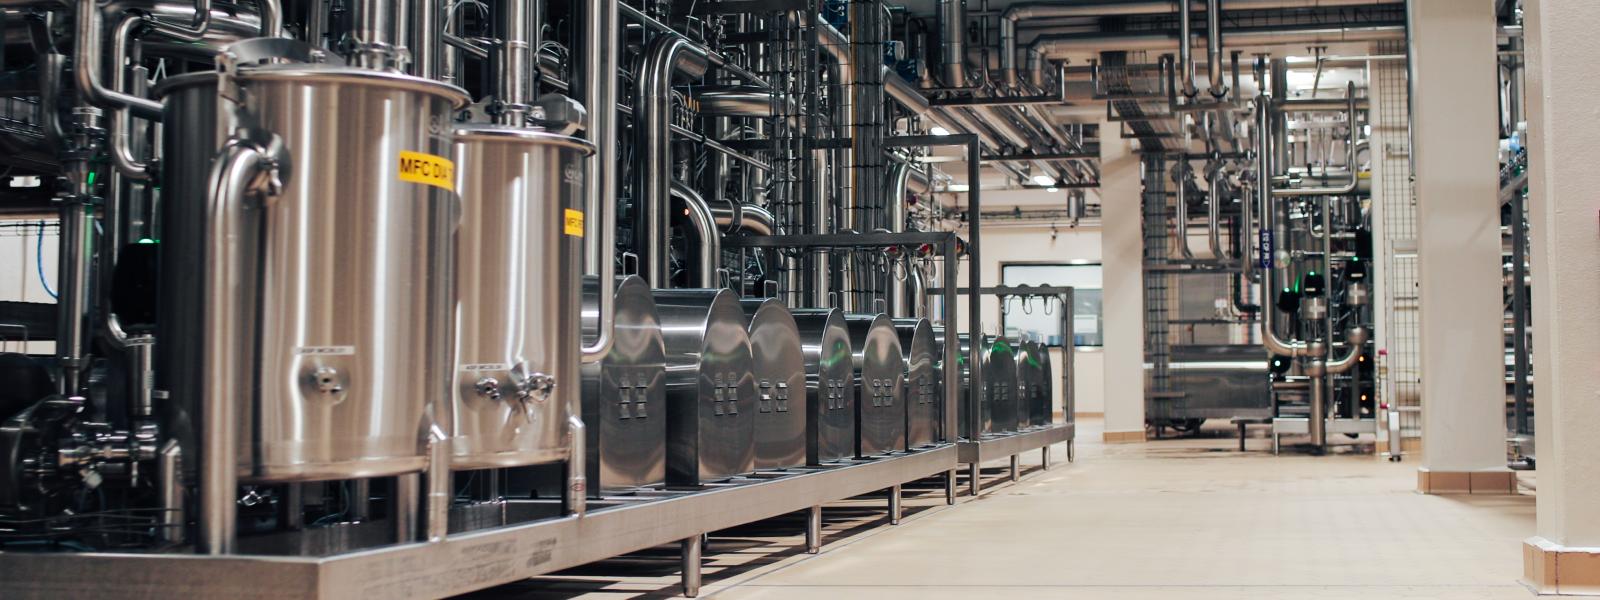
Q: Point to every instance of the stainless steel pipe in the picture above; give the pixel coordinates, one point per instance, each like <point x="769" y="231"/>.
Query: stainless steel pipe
<point x="665" y="58"/>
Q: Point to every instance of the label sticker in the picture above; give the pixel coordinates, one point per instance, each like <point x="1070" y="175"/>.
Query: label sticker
<point x="486" y="367"/>
<point x="574" y="222"/>
<point x="325" y="350"/>
<point x="427" y="169"/>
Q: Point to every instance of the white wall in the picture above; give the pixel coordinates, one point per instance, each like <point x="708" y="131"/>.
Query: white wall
<point x="19" y="277"/>
<point x="1007" y="242"/>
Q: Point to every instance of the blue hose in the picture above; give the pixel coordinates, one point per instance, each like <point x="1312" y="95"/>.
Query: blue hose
<point x="39" y="260"/>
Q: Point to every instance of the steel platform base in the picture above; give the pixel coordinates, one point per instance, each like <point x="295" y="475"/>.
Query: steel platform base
<point x="1282" y="426"/>
<point x="974" y="453"/>
<point x="481" y="559"/>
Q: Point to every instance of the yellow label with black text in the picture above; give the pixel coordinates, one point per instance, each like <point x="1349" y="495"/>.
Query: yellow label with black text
<point x="574" y="222"/>
<point x="427" y="169"/>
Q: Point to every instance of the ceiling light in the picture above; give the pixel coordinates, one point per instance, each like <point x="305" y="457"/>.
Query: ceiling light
<point x="1044" y="180"/>
<point x="937" y="130"/>
<point x="1053" y="190"/>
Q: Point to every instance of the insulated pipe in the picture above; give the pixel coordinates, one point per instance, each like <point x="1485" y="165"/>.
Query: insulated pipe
<point x="666" y="56"/>
<point x="1269" y="331"/>
<point x="1214" y="214"/>
<point x="705" y="227"/>
<point x="899" y="174"/>
<point x="601" y="26"/>
<point x="1350" y="152"/>
<point x="952" y="42"/>
<point x="1182" y="179"/>
<point x="902" y="92"/>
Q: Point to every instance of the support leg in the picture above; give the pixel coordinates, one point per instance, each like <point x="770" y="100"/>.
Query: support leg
<point x="1072" y="450"/>
<point x="950" y="487"/>
<point x="1044" y="456"/>
<point x="814" y="530"/>
<point x="406" y="512"/>
<point x="972" y="479"/>
<point x="691" y="565"/>
<point x="1241" y="436"/>
<point x="1016" y="469"/>
<point x="894" y="504"/>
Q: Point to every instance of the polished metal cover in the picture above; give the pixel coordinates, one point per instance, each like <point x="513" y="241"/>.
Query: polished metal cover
<point x="924" y="395"/>
<point x="711" y="393"/>
<point x="1030" y="383"/>
<point x="880" y="391"/>
<point x="780" y="372"/>
<point x="1219" y="382"/>
<point x="516" y="268"/>
<point x="1046" y="412"/>
<point x="625" y="394"/>
<point x="347" y="335"/>
<point x="1000" y="386"/>
<point x="963" y="378"/>
<point x="830" y="385"/>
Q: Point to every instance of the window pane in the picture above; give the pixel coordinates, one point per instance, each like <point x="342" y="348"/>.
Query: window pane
<point x="1038" y="320"/>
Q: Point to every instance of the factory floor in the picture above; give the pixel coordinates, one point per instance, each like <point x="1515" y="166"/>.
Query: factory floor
<point x="1174" y="518"/>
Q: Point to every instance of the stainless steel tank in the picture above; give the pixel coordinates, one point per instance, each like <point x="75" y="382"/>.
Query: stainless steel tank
<point x="880" y="391"/>
<point x="711" y="393"/>
<point x="1000" y="385"/>
<point x="830" y="385"/>
<point x="780" y="373"/>
<point x="625" y="394"/>
<point x="335" y="333"/>
<point x="1218" y="381"/>
<point x="924" y="397"/>
<point x="517" y="278"/>
<point x="1047" y="397"/>
<point x="1030" y="383"/>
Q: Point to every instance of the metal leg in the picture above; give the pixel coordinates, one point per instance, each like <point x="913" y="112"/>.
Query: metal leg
<point x="691" y="565"/>
<point x="950" y="487"/>
<point x="814" y="530"/>
<point x="404" y="506"/>
<point x="1016" y="469"/>
<point x="1241" y="436"/>
<point x="894" y="504"/>
<point x="1274" y="440"/>
<point x="972" y="477"/>
<point x="1044" y="456"/>
<point x="1072" y="450"/>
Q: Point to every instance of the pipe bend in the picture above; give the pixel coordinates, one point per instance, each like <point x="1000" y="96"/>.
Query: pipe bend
<point x="86" y="72"/>
<point x="1356" y="340"/>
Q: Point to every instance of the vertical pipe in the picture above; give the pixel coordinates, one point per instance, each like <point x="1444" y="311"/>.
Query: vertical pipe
<point x="425" y="36"/>
<point x="169" y="478"/>
<point x="360" y="500"/>
<point x="76" y="252"/>
<point x="404" y="511"/>
<point x="1519" y="314"/>
<point x="514" y="25"/>
<point x="1214" y="47"/>
<point x="601" y="27"/>
<point x="1185" y="50"/>
<point x="952" y="29"/>
<point x="974" y="280"/>
<point x="439" y="483"/>
<point x="665" y="57"/>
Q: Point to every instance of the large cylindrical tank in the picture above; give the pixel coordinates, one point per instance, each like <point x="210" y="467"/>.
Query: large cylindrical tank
<point x="999" y="385"/>
<point x="880" y="391"/>
<point x="780" y="373"/>
<point x="1030" y="383"/>
<point x="516" y="284"/>
<point x="963" y="378"/>
<point x="625" y="394"/>
<point x="830" y="385"/>
<point x="711" y="393"/>
<point x="924" y="390"/>
<point x="341" y="284"/>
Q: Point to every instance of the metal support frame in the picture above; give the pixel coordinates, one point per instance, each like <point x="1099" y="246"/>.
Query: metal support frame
<point x="468" y="561"/>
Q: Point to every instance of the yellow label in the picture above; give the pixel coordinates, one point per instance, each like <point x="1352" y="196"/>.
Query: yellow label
<point x="574" y="222"/>
<point x="427" y="169"/>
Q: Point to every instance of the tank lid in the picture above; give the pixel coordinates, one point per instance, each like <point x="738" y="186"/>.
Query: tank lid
<point x="322" y="74"/>
<point x="501" y="133"/>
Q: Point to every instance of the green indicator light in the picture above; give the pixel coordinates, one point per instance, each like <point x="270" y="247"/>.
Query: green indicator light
<point x="91" y="178"/>
<point x="146" y="241"/>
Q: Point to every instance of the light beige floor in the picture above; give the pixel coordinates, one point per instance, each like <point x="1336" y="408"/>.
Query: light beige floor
<point x="1188" y="518"/>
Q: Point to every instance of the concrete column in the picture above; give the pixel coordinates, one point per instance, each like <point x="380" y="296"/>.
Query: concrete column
<point x="1122" y="257"/>
<point x="1563" y="149"/>
<point x="1458" y="241"/>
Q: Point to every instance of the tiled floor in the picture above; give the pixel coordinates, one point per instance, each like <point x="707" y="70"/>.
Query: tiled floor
<point x="1188" y="518"/>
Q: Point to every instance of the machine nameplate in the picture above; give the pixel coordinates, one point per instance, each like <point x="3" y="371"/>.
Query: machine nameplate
<point x="427" y="169"/>
<point x="573" y="222"/>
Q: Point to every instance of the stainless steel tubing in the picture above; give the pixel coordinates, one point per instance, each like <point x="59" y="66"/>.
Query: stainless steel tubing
<point x="242" y="167"/>
<point x="952" y="32"/>
<point x="1181" y="177"/>
<point x="1214" y="47"/>
<point x="404" y="512"/>
<point x="601" y="27"/>
<point x="709" y="260"/>
<point x="666" y="57"/>
<point x="86" y="58"/>
<point x="376" y="26"/>
<point x="1058" y="44"/>
<point x="440" y="493"/>
<point x="169" y="485"/>
<point x="193" y="32"/>
<point x="77" y="254"/>
<point x="426" y="39"/>
<point x="1214" y="213"/>
<point x="1350" y="157"/>
<point x="512" y="83"/>
<point x="121" y="155"/>
<point x="1269" y="331"/>
<point x="1186" y="47"/>
<point x="1317" y="420"/>
<point x="903" y="92"/>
